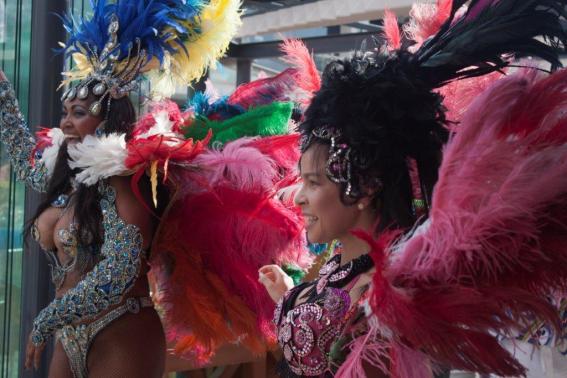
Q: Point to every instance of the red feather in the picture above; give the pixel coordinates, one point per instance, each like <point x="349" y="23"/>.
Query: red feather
<point x="297" y="83"/>
<point x="43" y="140"/>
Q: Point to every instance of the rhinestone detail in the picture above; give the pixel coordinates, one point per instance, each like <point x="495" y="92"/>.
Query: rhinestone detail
<point x="19" y="142"/>
<point x="108" y="281"/>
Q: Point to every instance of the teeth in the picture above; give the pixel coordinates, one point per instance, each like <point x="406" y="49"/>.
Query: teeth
<point x="311" y="219"/>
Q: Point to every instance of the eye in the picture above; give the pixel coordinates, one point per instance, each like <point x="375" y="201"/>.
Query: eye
<point x="313" y="183"/>
<point x="80" y="113"/>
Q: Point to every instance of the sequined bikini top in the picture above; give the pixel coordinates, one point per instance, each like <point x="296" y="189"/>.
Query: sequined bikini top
<point x="71" y="247"/>
<point x="307" y="332"/>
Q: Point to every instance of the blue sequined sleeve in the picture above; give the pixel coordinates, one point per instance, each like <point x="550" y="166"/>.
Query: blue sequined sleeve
<point x="18" y="140"/>
<point x="103" y="286"/>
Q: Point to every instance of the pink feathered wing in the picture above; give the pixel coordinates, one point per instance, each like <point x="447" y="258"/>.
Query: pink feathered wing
<point x="494" y="245"/>
<point x="225" y="223"/>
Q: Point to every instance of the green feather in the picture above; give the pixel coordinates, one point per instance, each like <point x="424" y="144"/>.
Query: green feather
<point x="265" y="120"/>
<point x="295" y="272"/>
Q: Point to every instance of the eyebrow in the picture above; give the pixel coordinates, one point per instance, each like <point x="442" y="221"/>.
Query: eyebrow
<point x="310" y="174"/>
<point x="72" y="106"/>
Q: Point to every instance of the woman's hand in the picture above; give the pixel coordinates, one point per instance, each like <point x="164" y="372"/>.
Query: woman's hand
<point x="3" y="76"/>
<point x="33" y="353"/>
<point x="276" y="281"/>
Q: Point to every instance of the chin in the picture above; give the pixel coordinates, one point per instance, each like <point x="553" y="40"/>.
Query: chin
<point x="317" y="239"/>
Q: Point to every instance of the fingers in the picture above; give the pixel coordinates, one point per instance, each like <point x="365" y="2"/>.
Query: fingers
<point x="3" y="76"/>
<point x="267" y="269"/>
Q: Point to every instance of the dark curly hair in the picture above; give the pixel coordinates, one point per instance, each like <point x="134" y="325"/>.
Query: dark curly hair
<point x="385" y="115"/>
<point x="120" y="118"/>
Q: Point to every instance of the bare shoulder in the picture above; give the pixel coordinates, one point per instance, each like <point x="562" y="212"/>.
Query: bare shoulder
<point x="131" y="209"/>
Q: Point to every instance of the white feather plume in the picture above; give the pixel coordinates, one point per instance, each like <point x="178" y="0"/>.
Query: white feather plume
<point x="49" y="155"/>
<point x="99" y="157"/>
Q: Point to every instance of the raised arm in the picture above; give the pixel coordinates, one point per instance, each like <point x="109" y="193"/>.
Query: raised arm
<point x="18" y="140"/>
<point x="110" y="279"/>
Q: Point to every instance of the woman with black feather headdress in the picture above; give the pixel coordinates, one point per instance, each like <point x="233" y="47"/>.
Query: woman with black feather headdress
<point x="481" y="209"/>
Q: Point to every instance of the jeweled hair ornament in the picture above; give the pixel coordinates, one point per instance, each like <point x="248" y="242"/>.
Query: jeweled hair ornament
<point x="171" y="42"/>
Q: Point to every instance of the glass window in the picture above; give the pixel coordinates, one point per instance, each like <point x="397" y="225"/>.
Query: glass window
<point x="15" y="40"/>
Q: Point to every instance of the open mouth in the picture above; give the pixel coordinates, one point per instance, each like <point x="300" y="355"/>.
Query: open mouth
<point x="72" y="138"/>
<point x="310" y="220"/>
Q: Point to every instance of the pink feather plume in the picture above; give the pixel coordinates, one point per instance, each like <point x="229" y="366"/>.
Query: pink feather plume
<point x="494" y="244"/>
<point x="297" y="83"/>
<point x="392" y="30"/>
<point x="297" y="56"/>
<point x="426" y="19"/>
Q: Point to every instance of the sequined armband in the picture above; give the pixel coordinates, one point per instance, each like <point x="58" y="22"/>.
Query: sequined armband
<point x="18" y="140"/>
<point x="103" y="286"/>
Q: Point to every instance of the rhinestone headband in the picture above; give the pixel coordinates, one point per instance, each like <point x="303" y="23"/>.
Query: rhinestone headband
<point x="342" y="162"/>
<point x="114" y="81"/>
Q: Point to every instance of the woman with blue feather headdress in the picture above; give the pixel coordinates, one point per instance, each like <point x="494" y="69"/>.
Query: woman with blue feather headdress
<point x="92" y="226"/>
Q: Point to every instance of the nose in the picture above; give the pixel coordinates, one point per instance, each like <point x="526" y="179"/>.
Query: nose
<point x="65" y="123"/>
<point x="299" y="199"/>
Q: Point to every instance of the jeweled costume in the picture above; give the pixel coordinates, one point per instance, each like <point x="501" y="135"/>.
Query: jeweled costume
<point x="112" y="48"/>
<point x="493" y="245"/>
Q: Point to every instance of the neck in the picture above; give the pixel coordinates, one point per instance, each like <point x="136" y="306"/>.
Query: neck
<point x="352" y="247"/>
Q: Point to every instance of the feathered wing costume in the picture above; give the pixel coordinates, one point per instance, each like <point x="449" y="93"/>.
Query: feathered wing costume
<point x="225" y="219"/>
<point x="493" y="246"/>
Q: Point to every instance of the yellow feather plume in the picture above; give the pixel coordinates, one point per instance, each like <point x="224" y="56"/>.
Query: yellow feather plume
<point x="219" y="23"/>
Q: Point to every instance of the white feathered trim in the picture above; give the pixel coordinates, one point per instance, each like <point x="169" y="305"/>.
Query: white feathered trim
<point x="99" y="157"/>
<point x="49" y="154"/>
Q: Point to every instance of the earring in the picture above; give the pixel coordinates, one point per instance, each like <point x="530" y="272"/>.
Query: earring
<point x="360" y="206"/>
<point x="99" y="131"/>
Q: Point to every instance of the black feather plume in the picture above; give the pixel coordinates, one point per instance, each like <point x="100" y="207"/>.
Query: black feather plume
<point x="483" y="39"/>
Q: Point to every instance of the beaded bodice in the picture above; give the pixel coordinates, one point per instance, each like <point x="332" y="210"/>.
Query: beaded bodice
<point x="106" y="284"/>
<point x="307" y="331"/>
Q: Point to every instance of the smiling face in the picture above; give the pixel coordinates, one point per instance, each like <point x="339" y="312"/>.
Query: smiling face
<point x="76" y="120"/>
<point x="326" y="217"/>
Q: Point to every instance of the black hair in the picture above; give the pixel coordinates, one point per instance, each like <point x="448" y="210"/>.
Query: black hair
<point x="385" y="117"/>
<point x="119" y="117"/>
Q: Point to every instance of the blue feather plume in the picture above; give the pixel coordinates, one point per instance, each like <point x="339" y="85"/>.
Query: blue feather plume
<point x="219" y="110"/>
<point x="144" y="20"/>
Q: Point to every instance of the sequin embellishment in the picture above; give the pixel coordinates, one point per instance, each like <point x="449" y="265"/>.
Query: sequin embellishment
<point x="106" y="283"/>
<point x="19" y="142"/>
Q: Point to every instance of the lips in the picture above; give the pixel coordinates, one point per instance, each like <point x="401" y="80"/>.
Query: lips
<point x="72" y="138"/>
<point x="310" y="219"/>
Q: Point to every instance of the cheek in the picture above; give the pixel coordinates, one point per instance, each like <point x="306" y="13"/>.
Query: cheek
<point x="87" y="126"/>
<point x="335" y="219"/>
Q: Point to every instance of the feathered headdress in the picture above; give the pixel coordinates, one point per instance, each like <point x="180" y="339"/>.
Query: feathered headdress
<point x="381" y="107"/>
<point x="176" y="38"/>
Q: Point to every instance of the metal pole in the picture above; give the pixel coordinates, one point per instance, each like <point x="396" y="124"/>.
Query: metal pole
<point x="44" y="110"/>
<point x="243" y="70"/>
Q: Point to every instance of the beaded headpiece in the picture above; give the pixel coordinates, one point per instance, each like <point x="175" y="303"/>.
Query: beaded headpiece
<point x="112" y="83"/>
<point x="343" y="161"/>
